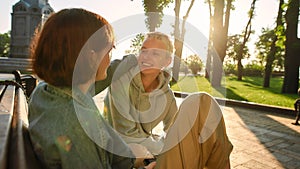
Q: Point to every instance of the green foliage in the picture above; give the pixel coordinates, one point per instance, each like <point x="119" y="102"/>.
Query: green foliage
<point x="250" y="69"/>
<point x="4" y="44"/>
<point x="194" y="63"/>
<point x="234" y="44"/>
<point x="253" y="69"/>
<point x="263" y="46"/>
<point x="230" y="68"/>
<point x="154" y="12"/>
<point x="250" y="90"/>
<point x="136" y="44"/>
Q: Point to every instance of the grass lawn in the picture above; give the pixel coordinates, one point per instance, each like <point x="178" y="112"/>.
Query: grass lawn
<point x="250" y="89"/>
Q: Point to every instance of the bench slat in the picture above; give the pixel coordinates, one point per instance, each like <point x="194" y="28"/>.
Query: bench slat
<point x="2" y="87"/>
<point x="16" y="150"/>
<point x="17" y="159"/>
<point x="6" y="112"/>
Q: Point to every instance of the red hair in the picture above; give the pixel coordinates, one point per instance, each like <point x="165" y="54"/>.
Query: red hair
<point x="56" y="48"/>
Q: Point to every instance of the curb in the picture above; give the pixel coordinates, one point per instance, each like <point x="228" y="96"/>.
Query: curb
<point x="250" y="105"/>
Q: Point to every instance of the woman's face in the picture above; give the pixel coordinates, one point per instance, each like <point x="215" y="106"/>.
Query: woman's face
<point x="101" y="72"/>
<point x="153" y="56"/>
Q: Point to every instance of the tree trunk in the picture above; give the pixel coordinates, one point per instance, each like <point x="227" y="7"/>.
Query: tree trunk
<point x="210" y="45"/>
<point x="240" y="70"/>
<point x="220" y="32"/>
<point x="208" y="62"/>
<point x="291" y="62"/>
<point x="217" y="64"/>
<point x="176" y="64"/>
<point x="179" y="39"/>
<point x="153" y="18"/>
<point x="271" y="55"/>
<point x="246" y="36"/>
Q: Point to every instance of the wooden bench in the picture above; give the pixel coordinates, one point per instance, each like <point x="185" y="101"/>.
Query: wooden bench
<point x="15" y="146"/>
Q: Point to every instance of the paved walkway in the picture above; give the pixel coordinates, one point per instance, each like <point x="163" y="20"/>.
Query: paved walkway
<point x="261" y="140"/>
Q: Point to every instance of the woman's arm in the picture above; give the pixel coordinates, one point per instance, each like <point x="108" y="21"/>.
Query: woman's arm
<point x="102" y="84"/>
<point x="129" y="127"/>
<point x="127" y="61"/>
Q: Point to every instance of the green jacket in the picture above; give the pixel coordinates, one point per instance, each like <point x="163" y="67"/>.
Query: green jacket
<point x="67" y="131"/>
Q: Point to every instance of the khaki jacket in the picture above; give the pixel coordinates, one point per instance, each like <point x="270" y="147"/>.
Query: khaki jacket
<point x="134" y="113"/>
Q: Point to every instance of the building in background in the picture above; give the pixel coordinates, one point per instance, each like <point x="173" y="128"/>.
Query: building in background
<point x="27" y="15"/>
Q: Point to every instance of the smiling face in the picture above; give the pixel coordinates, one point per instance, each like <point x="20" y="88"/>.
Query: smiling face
<point x="154" y="56"/>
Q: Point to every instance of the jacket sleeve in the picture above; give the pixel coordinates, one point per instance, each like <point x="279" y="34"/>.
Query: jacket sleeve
<point x="130" y="130"/>
<point x="102" y="84"/>
<point x="126" y="126"/>
<point x="127" y="61"/>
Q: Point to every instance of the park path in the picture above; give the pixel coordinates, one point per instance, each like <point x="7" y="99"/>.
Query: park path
<point x="261" y="139"/>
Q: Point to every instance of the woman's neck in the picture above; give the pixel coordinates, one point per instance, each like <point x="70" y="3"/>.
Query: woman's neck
<point x="150" y="83"/>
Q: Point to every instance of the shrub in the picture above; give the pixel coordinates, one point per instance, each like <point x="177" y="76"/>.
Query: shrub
<point x="194" y="63"/>
<point x="253" y="69"/>
<point x="230" y="68"/>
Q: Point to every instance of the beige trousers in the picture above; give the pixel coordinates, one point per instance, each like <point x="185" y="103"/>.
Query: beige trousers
<point x="197" y="139"/>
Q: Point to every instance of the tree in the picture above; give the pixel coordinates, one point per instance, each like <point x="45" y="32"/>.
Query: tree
<point x="179" y="38"/>
<point x="194" y="63"/>
<point x="184" y="68"/>
<point x="154" y="12"/>
<point x="245" y="37"/>
<point x="263" y="46"/>
<point x="219" y="39"/>
<point x="136" y="44"/>
<point x="273" y="48"/>
<point x="233" y="47"/>
<point x="4" y="44"/>
<point x="292" y="49"/>
<point x="210" y="45"/>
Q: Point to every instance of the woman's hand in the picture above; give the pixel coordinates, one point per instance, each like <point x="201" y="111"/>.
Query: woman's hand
<point x="151" y="165"/>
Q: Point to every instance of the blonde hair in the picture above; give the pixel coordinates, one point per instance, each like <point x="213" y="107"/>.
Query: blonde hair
<point x="164" y="38"/>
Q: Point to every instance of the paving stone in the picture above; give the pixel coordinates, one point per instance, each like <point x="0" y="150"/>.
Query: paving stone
<point x="261" y="139"/>
<point x="255" y="164"/>
<point x="294" y="164"/>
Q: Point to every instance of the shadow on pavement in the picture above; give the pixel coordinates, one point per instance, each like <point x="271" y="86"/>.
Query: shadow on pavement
<point x="262" y="139"/>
